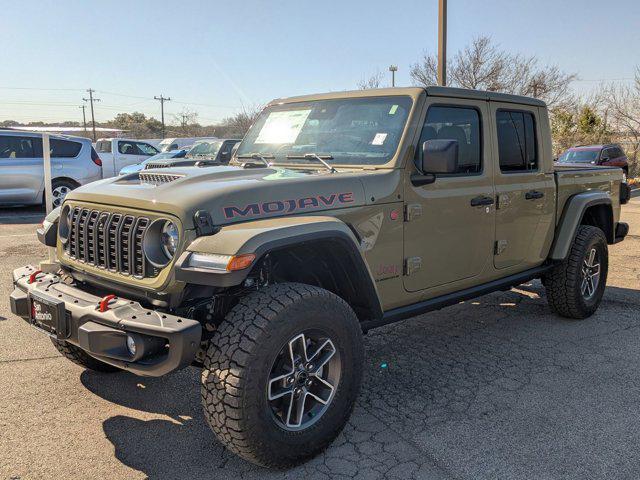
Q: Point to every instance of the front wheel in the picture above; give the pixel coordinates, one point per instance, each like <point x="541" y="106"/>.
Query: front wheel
<point x="575" y="287"/>
<point x="282" y="373"/>
<point x="59" y="190"/>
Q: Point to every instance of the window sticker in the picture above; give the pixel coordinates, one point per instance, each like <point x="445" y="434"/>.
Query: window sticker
<point x="282" y="127"/>
<point x="394" y="109"/>
<point x="379" y="139"/>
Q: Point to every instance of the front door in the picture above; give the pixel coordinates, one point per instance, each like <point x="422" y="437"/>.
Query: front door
<point x="449" y="224"/>
<point x="525" y="189"/>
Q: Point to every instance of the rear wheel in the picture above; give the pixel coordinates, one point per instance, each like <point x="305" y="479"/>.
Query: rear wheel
<point x="282" y="373"/>
<point x="575" y="287"/>
<point x="82" y="358"/>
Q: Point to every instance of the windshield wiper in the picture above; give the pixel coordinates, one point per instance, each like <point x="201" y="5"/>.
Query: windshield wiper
<point x="256" y="156"/>
<point x="314" y="156"/>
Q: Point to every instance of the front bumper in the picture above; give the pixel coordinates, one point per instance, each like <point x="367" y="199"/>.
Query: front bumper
<point x="104" y="334"/>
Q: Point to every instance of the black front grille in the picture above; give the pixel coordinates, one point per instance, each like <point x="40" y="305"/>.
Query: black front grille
<point x="112" y="241"/>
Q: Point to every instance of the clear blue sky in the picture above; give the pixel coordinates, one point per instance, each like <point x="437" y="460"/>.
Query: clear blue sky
<point x="224" y="54"/>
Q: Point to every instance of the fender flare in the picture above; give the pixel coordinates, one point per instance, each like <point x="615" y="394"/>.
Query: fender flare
<point x="571" y="218"/>
<point x="263" y="236"/>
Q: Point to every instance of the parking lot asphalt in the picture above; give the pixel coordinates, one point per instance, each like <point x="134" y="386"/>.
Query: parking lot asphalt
<point x="497" y="387"/>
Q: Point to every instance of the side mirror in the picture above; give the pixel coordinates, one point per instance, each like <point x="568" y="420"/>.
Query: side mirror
<point x="604" y="159"/>
<point x="440" y="156"/>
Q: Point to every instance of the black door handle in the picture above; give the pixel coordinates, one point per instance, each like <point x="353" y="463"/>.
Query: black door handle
<point x="533" y="194"/>
<point x="482" y="200"/>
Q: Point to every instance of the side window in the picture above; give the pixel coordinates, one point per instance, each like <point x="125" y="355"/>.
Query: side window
<point x="127" y="148"/>
<point x="455" y="123"/>
<point x="517" y="149"/>
<point x="7" y="147"/>
<point x="24" y="147"/>
<point x="146" y="149"/>
<point x="64" y="148"/>
<point x="617" y="152"/>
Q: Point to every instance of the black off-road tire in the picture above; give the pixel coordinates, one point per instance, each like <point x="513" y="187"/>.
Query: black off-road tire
<point x="563" y="283"/>
<point x="82" y="358"/>
<point x="238" y="362"/>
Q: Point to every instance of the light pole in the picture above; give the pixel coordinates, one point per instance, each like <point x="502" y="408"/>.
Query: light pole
<point x="84" y="117"/>
<point x="442" y="42"/>
<point x="393" y="69"/>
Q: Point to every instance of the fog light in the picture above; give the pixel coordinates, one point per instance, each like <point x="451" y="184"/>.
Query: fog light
<point x="131" y="345"/>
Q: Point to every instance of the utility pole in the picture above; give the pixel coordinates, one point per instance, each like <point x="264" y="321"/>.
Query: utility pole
<point x="442" y="42"/>
<point x="393" y="69"/>
<point x="84" y="117"/>
<point x="93" y="118"/>
<point x="162" y="100"/>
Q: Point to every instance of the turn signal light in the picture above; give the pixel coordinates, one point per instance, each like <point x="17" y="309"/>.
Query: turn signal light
<point x="240" y="262"/>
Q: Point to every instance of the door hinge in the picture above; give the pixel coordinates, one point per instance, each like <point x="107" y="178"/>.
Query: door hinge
<point x="412" y="265"/>
<point x="501" y="246"/>
<point x="412" y="211"/>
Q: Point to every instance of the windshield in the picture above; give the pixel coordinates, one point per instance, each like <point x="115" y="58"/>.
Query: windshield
<point x="205" y="149"/>
<point x="347" y="131"/>
<point x="579" y="156"/>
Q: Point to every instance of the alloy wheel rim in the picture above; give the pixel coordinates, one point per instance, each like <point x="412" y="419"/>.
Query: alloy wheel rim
<point x="58" y="195"/>
<point x="590" y="274"/>
<point x="303" y="380"/>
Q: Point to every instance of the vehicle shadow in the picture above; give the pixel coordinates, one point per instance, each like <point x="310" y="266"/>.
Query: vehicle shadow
<point x="435" y="385"/>
<point x="21" y="215"/>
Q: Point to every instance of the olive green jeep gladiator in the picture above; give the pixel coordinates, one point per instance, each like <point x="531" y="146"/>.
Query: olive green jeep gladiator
<point x="339" y="213"/>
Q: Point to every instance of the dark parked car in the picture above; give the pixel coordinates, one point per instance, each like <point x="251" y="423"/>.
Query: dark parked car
<point x="610" y="155"/>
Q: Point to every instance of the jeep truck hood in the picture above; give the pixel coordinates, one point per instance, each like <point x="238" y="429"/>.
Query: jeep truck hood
<point x="229" y="193"/>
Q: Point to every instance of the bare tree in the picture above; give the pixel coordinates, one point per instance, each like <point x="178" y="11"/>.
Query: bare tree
<point x="623" y="111"/>
<point x="374" y="81"/>
<point x="484" y="66"/>
<point x="238" y="124"/>
<point x="187" y="122"/>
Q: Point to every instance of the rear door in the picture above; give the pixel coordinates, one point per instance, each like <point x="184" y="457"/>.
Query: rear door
<point x="21" y="172"/>
<point x="449" y="224"/>
<point x="525" y="190"/>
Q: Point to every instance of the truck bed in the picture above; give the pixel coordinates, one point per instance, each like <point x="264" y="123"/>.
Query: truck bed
<point x="572" y="179"/>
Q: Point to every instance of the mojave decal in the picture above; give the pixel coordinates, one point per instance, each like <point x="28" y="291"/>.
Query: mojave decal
<point x="288" y="206"/>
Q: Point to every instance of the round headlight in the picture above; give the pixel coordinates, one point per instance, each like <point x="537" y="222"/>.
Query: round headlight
<point x="160" y="242"/>
<point x="64" y="224"/>
<point x="169" y="239"/>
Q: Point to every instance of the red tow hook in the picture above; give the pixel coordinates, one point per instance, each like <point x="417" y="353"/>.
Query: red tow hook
<point x="34" y="275"/>
<point x="103" y="305"/>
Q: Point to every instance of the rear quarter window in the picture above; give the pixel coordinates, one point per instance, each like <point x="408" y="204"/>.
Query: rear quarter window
<point x="103" y="147"/>
<point x="517" y="148"/>
<point x="64" y="148"/>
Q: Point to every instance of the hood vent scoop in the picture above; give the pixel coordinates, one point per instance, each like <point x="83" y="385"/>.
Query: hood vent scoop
<point x="158" y="178"/>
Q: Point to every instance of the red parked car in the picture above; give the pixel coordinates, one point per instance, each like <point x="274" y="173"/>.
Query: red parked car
<point x="610" y="155"/>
